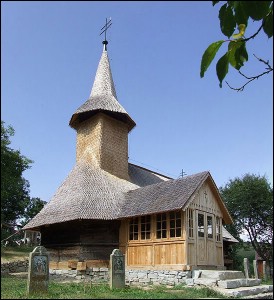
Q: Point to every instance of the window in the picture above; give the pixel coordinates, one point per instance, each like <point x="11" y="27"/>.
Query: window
<point x="133" y="229"/>
<point x="218" y="229"/>
<point x="175" y="224"/>
<point x="201" y="225"/>
<point x="209" y="227"/>
<point x="161" y="226"/>
<point x="140" y="226"/>
<point x="168" y="225"/>
<point x="145" y="227"/>
<point x="190" y="223"/>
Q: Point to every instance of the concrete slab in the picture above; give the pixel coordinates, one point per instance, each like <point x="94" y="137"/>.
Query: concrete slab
<point x="235" y="283"/>
<point x="221" y="275"/>
<point x="245" y="291"/>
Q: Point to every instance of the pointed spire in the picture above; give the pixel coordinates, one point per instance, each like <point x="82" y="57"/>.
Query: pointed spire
<point x="103" y="95"/>
<point x="103" y="83"/>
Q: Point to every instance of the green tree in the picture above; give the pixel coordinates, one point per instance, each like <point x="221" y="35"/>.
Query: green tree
<point x="14" y="187"/>
<point x="32" y="209"/>
<point x="250" y="202"/>
<point x="232" y="15"/>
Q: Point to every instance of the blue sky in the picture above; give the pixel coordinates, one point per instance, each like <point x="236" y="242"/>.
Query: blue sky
<point x="49" y="55"/>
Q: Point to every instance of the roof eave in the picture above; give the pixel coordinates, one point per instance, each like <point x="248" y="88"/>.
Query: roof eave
<point x="78" y="118"/>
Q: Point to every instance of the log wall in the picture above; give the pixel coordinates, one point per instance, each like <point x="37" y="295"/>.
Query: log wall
<point x="81" y="240"/>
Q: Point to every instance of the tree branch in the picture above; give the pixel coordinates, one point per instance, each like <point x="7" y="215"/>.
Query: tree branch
<point x="253" y="36"/>
<point x="250" y="79"/>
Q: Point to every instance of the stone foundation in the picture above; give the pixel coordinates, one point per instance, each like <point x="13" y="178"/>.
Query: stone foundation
<point x="101" y="275"/>
<point x="133" y="277"/>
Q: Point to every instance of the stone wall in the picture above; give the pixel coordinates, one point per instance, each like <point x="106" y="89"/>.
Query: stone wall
<point x="15" y="266"/>
<point x="133" y="277"/>
<point x="101" y="275"/>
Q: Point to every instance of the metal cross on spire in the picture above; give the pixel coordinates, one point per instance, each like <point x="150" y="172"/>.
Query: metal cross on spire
<point x="183" y="173"/>
<point x="104" y="30"/>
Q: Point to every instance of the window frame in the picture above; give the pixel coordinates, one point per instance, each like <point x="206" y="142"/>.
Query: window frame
<point x="201" y="229"/>
<point x="218" y="226"/>
<point x="212" y="227"/>
<point x="190" y="223"/>
<point x="162" y="226"/>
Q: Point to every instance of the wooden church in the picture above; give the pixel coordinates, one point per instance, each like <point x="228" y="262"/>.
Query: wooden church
<point x="106" y="202"/>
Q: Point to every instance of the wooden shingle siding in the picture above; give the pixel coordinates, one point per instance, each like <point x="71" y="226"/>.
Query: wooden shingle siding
<point x="103" y="142"/>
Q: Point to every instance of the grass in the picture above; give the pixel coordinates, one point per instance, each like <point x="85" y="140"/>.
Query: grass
<point x="16" y="288"/>
<point x="15" y="253"/>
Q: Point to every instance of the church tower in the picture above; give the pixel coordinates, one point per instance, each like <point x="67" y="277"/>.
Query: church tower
<point x="102" y="125"/>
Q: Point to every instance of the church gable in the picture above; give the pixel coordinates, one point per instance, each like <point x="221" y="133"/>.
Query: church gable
<point x="205" y="200"/>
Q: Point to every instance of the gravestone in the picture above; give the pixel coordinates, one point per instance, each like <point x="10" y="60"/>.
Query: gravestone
<point x="117" y="269"/>
<point x="38" y="275"/>
<point x="246" y="268"/>
<point x="255" y="266"/>
<point x="264" y="270"/>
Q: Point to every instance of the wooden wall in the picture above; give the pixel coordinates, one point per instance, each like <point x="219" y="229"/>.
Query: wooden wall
<point x="81" y="240"/>
<point x="181" y="252"/>
<point x="154" y="253"/>
<point x="205" y="251"/>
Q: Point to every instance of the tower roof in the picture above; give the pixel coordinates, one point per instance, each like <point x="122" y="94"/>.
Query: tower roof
<point x="102" y="98"/>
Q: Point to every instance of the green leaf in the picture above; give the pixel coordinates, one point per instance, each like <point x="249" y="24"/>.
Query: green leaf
<point x="227" y="20"/>
<point x="257" y="10"/>
<point x="241" y="33"/>
<point x="214" y="2"/>
<point x="222" y="68"/>
<point x="268" y="25"/>
<point x="209" y="55"/>
<point x="232" y="47"/>
<point x="241" y="17"/>
<point x="237" y="54"/>
<point x="241" y="56"/>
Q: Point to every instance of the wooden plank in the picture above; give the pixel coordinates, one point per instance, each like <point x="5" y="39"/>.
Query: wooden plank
<point x="72" y="264"/>
<point x="53" y="265"/>
<point x="63" y="265"/>
<point x="97" y="263"/>
<point x="81" y="266"/>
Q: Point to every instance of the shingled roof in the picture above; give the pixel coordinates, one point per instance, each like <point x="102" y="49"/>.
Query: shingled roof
<point x="161" y="197"/>
<point x="92" y="193"/>
<point x="169" y="195"/>
<point x="88" y="192"/>
<point x="102" y="98"/>
<point x="143" y="177"/>
<point x="228" y="237"/>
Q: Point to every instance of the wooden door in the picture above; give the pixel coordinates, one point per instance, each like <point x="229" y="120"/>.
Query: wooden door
<point x="201" y="239"/>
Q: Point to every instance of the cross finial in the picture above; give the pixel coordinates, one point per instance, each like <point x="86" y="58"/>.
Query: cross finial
<point x="183" y="173"/>
<point x="104" y="30"/>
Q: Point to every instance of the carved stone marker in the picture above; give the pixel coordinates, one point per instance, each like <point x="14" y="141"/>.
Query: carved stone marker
<point x="264" y="270"/>
<point x="246" y="268"/>
<point x="38" y="275"/>
<point x="117" y="269"/>
<point x="255" y="266"/>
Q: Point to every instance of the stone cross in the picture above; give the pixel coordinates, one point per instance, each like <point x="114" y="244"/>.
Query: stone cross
<point x="246" y="268"/>
<point x="38" y="274"/>
<point x="117" y="269"/>
<point x="255" y="266"/>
